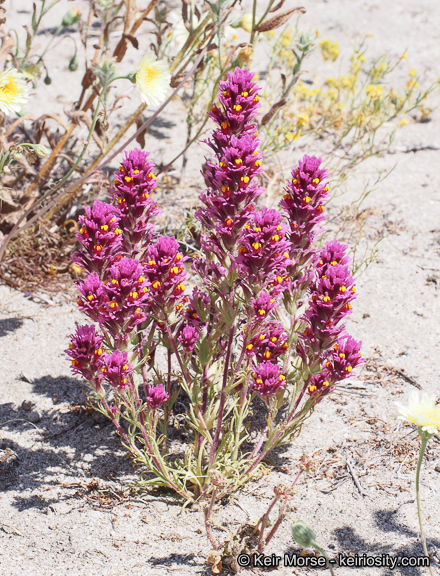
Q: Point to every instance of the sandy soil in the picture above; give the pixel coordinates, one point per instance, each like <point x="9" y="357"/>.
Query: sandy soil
<point x="62" y="471"/>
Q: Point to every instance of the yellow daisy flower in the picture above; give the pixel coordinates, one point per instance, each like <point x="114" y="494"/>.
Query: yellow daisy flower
<point x="13" y="91"/>
<point x="422" y="412"/>
<point x="153" y="79"/>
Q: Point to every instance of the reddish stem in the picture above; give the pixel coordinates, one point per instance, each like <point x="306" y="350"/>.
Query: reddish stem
<point x="208" y="528"/>
<point x="166" y="409"/>
<point x="222" y="399"/>
<point x="278" y="522"/>
<point x="264" y="522"/>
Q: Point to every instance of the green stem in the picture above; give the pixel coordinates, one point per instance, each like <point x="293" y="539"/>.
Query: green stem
<point x="3" y="160"/>
<point x="254" y="14"/>
<point x="240" y="419"/>
<point x="424" y="437"/>
<point x="261" y="20"/>
<point x="321" y="551"/>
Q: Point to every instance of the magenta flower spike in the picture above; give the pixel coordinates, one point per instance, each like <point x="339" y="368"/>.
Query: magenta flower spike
<point x="93" y="296"/>
<point x="269" y="343"/>
<point x="164" y="269"/>
<point x="344" y="358"/>
<point x="264" y="252"/>
<point x="304" y="203"/>
<point x="232" y="189"/>
<point x="156" y="396"/>
<point x="188" y="337"/>
<point x="267" y="379"/>
<point x="99" y="236"/>
<point x="116" y="370"/>
<point x="133" y="187"/>
<point x="85" y="351"/>
<point x="128" y="294"/>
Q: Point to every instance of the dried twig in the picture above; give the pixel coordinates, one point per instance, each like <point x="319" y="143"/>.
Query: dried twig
<point x="356" y="479"/>
<point x="408" y="379"/>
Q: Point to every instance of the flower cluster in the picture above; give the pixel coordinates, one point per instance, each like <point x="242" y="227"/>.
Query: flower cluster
<point x="156" y="396"/>
<point x="330" y="299"/>
<point x="99" y="236"/>
<point x="127" y="293"/>
<point x="267" y="379"/>
<point x="119" y="302"/>
<point x="92" y="297"/>
<point x="344" y="357"/>
<point x="165" y="272"/>
<point x="230" y="178"/>
<point x="330" y="302"/>
<point x="133" y="186"/>
<point x="304" y="201"/>
<point x="116" y="370"/>
<point x="188" y="337"/>
<point x="85" y="351"/>
<point x="113" y="239"/>
<point x="264" y="251"/>
<point x="270" y="344"/>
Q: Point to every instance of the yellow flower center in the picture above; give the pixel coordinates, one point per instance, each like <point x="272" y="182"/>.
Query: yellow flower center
<point x="9" y="90"/>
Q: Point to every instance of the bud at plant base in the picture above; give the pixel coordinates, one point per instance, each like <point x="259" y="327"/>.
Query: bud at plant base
<point x="303" y="535"/>
<point x="40" y="150"/>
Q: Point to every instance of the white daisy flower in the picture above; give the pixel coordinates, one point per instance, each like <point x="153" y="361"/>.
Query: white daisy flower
<point x="421" y="411"/>
<point x="13" y="91"/>
<point x="153" y="79"/>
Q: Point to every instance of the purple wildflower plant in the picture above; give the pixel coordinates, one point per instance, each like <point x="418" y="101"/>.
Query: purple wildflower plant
<point x="265" y="319"/>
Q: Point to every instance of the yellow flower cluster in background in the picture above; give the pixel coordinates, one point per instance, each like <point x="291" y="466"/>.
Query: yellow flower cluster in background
<point x="329" y="50"/>
<point x="352" y="105"/>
